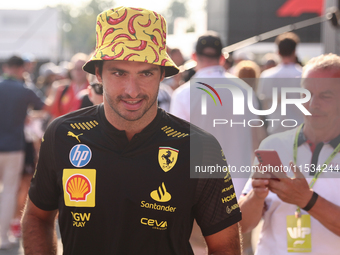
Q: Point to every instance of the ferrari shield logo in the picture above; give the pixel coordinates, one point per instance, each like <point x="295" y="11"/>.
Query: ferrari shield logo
<point x="167" y="158"/>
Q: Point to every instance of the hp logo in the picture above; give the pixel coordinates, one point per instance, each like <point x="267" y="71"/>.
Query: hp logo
<point x="80" y="155"/>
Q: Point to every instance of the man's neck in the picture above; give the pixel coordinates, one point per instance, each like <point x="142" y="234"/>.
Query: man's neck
<point x="9" y="75"/>
<point x="202" y="65"/>
<point x="130" y="127"/>
<point x="288" y="60"/>
<point x="321" y="135"/>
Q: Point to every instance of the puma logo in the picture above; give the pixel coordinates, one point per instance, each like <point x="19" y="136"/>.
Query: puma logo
<point x="73" y="135"/>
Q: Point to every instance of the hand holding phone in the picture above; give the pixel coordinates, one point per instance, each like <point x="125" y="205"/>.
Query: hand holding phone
<point x="270" y="162"/>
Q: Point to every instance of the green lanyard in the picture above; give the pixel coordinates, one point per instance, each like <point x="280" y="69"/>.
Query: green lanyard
<point x="317" y="174"/>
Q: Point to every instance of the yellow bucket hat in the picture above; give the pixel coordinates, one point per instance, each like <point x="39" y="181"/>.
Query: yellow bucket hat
<point x="132" y="34"/>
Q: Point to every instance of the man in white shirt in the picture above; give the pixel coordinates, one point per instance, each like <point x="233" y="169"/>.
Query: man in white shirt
<point x="285" y="74"/>
<point x="301" y="211"/>
<point x="238" y="139"/>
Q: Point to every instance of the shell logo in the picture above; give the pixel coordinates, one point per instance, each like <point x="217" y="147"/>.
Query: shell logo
<point x="78" y="187"/>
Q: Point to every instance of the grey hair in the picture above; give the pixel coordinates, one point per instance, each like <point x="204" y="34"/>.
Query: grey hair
<point x="323" y="62"/>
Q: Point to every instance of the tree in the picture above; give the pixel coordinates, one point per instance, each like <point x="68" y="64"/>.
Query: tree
<point x="78" y="25"/>
<point x="176" y="9"/>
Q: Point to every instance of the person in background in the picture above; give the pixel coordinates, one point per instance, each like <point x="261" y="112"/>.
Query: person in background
<point x="15" y="99"/>
<point x="176" y="80"/>
<point x="69" y="93"/>
<point x="286" y="74"/>
<point x="33" y="134"/>
<point x="95" y="90"/>
<point x="269" y="60"/>
<point x="48" y="74"/>
<point x="300" y="208"/>
<point x="229" y="62"/>
<point x="238" y="56"/>
<point x="30" y="67"/>
<point x="237" y="142"/>
<point x="249" y="72"/>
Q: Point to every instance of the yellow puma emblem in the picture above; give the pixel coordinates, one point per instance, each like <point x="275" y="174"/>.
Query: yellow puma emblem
<point x="73" y="135"/>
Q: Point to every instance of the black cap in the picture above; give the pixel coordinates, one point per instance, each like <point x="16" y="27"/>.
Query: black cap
<point x="209" y="41"/>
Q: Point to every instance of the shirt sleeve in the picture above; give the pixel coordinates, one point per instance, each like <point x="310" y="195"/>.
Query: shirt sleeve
<point x="35" y="100"/>
<point x="180" y="103"/>
<point x="44" y="191"/>
<point x="216" y="206"/>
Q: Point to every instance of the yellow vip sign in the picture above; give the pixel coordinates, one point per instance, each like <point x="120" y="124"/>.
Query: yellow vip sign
<point x="299" y="237"/>
<point x="79" y="187"/>
<point x="167" y="158"/>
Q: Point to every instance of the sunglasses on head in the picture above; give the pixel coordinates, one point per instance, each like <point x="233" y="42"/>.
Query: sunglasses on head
<point x="98" y="88"/>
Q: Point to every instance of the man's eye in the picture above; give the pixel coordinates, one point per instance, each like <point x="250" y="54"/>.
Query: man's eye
<point x="147" y="73"/>
<point x="118" y="73"/>
<point x="326" y="96"/>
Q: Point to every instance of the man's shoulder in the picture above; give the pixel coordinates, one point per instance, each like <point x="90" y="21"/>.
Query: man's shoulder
<point x="13" y="83"/>
<point x="16" y="87"/>
<point x="182" y="91"/>
<point x="282" y="71"/>
<point x="82" y="118"/>
<point x="271" y="72"/>
<point x="189" y="128"/>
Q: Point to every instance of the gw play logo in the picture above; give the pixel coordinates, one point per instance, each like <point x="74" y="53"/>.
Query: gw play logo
<point x="79" y="219"/>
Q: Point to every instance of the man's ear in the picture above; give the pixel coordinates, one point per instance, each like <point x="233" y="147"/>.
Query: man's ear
<point x="194" y="56"/>
<point x="98" y="75"/>
<point x="221" y="60"/>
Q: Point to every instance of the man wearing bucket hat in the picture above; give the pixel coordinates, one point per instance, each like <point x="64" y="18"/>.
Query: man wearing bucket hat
<point x="118" y="173"/>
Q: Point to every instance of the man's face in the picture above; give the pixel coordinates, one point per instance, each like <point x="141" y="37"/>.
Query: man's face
<point x="130" y="88"/>
<point x="324" y="105"/>
<point x="16" y="71"/>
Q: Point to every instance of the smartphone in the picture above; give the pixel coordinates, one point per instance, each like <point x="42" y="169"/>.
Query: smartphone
<point x="268" y="157"/>
<point x="271" y="159"/>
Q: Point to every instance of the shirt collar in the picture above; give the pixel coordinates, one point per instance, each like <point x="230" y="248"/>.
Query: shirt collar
<point x="211" y="71"/>
<point x="302" y="139"/>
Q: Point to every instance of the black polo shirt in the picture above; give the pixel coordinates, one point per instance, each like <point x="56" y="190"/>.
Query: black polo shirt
<point x="129" y="197"/>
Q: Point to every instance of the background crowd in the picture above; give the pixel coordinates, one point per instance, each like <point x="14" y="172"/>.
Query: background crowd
<point x="59" y="88"/>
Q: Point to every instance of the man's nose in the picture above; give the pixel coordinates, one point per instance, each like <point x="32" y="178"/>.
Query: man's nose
<point x="132" y="87"/>
<point x="314" y="102"/>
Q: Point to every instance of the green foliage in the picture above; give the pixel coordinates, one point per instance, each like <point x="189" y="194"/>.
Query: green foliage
<point x="176" y="9"/>
<point x="79" y="24"/>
